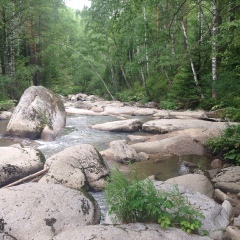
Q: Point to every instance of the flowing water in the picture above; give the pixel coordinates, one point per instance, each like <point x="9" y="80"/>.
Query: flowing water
<point x="77" y="131"/>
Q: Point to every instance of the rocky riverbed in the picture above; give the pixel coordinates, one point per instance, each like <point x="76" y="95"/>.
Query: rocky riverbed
<point x="53" y="207"/>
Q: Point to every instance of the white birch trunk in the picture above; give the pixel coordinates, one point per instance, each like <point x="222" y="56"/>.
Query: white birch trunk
<point x="145" y="40"/>
<point x="214" y="50"/>
<point x="110" y="60"/>
<point x="12" y="52"/>
<point x="191" y="61"/>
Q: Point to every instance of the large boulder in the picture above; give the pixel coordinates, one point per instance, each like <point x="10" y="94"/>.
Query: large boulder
<point x="17" y="162"/>
<point x="228" y="179"/>
<point x="42" y="211"/>
<point x="178" y="145"/>
<point x="130" y="125"/>
<point x="39" y="114"/>
<point x="195" y="182"/>
<point x="169" y="125"/>
<point x="131" y="231"/>
<point x="77" y="167"/>
<point x="217" y="217"/>
<point x="122" y="152"/>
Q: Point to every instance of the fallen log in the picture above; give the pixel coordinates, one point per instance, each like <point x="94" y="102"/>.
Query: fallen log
<point x="27" y="178"/>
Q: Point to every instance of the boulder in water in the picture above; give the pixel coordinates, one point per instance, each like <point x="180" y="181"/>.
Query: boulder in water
<point x="39" y="114"/>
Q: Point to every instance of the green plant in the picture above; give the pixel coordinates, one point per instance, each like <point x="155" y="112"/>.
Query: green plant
<point x="135" y="200"/>
<point x="231" y="113"/>
<point x="6" y="104"/>
<point x="227" y="145"/>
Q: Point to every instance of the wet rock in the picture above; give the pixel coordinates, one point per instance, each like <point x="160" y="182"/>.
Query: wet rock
<point x="97" y="109"/>
<point x="143" y="156"/>
<point x="119" y="110"/>
<point x="228" y="179"/>
<point x="4" y="115"/>
<point x="216" y="163"/>
<point x="178" y="145"/>
<point x="80" y="111"/>
<point x="83" y="105"/>
<point x="188" y="114"/>
<point x="216" y="217"/>
<point x="189" y="164"/>
<point x="18" y="162"/>
<point x="130" y="125"/>
<point x="76" y="167"/>
<point x="236" y="222"/>
<point x="123" y="153"/>
<point x="39" y="114"/>
<point x="232" y="233"/>
<point x="222" y="197"/>
<point x="137" y="138"/>
<point x="195" y="182"/>
<point x="212" y="173"/>
<point x="42" y="211"/>
<point x="169" y="125"/>
<point x="144" y="112"/>
<point x="228" y="208"/>
<point x="132" y="231"/>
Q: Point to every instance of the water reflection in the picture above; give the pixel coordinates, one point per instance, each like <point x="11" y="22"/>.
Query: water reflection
<point x="174" y="166"/>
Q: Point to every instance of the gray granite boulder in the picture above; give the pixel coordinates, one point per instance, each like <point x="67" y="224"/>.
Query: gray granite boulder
<point x="169" y="125"/>
<point x="4" y="115"/>
<point x="195" y="182"/>
<point x="76" y="167"/>
<point x="17" y="162"/>
<point x="228" y="179"/>
<point x="137" y="231"/>
<point x="217" y="217"/>
<point x="176" y="145"/>
<point x="232" y="233"/>
<point x="42" y="211"/>
<point x="120" y="151"/>
<point x="39" y="114"/>
<point x="130" y="125"/>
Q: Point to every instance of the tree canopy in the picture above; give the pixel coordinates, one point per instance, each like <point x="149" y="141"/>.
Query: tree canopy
<point x="180" y="53"/>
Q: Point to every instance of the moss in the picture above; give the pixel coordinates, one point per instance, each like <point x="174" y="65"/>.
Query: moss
<point x="41" y="156"/>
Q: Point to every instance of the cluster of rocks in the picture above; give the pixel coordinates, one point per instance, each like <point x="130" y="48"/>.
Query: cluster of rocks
<point x="56" y="206"/>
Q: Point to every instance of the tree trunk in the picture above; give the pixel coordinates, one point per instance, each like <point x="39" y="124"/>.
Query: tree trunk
<point x="5" y="43"/>
<point x="12" y="52"/>
<point x="145" y="40"/>
<point x="214" y="50"/>
<point x="191" y="60"/>
<point x="114" y="82"/>
<point x="122" y="69"/>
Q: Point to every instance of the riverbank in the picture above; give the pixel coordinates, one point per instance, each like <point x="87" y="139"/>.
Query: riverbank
<point x="158" y="135"/>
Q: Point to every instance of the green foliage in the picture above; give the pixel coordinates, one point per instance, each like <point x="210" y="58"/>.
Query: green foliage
<point x="128" y="96"/>
<point x="232" y="114"/>
<point x="134" y="200"/>
<point x="7" y="104"/>
<point x="227" y="145"/>
<point x="183" y="91"/>
<point x="168" y="105"/>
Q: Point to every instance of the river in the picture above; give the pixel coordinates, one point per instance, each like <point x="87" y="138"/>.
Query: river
<point x="77" y="131"/>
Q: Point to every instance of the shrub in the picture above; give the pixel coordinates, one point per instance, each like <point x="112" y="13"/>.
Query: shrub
<point x="6" y="104"/>
<point x="227" y="145"/>
<point x="134" y="200"/>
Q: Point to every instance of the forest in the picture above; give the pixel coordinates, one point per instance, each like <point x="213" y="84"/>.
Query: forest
<point x="183" y="54"/>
